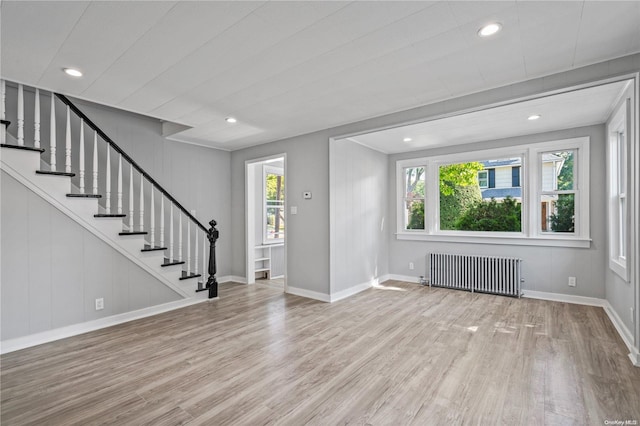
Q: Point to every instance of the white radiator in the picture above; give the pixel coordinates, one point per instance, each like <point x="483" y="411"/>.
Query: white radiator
<point x="484" y="274"/>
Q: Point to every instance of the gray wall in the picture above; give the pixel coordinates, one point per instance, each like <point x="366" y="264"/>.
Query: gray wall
<point x="360" y="224"/>
<point x="544" y="268"/>
<point x="53" y="269"/>
<point x="308" y="231"/>
<point x="198" y="177"/>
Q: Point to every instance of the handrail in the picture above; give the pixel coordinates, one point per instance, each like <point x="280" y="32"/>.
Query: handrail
<point x="115" y="146"/>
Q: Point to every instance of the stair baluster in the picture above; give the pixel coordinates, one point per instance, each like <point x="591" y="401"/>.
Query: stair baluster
<point x="36" y="119"/>
<point x="180" y="236"/>
<point x="204" y="259"/>
<point x="189" y="246"/>
<point x="52" y="136"/>
<point x="119" y="209"/>
<point x="141" y="202"/>
<point x="67" y="144"/>
<point x="95" y="163"/>
<point x="81" y="163"/>
<point x="152" y="220"/>
<point x="195" y="258"/>
<point x="131" y="198"/>
<point x="171" y="231"/>
<point x="161" y="220"/>
<point x="20" y="115"/>
<point x="107" y="205"/>
<point x="3" y="100"/>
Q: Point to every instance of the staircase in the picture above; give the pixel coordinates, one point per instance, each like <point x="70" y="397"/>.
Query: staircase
<point x="87" y="176"/>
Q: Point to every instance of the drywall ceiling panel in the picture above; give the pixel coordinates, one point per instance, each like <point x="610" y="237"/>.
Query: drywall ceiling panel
<point x="31" y="35"/>
<point x="91" y="46"/>
<point x="604" y="31"/>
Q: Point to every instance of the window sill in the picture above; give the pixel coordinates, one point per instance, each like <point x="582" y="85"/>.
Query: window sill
<point x="497" y="239"/>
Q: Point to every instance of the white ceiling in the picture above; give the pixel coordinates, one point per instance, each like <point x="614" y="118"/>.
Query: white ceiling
<point x="288" y="68"/>
<point x="560" y="111"/>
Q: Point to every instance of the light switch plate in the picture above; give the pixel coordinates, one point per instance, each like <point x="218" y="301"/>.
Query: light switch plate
<point x="294" y="210"/>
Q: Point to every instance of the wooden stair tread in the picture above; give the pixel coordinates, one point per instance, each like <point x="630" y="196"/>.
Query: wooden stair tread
<point x="133" y="233"/>
<point x="147" y="247"/>
<point x="84" y="195"/>
<point x="168" y="262"/>
<point x="25" y="148"/>
<point x="48" y="172"/>
<point x="186" y="277"/>
<point x="110" y="215"/>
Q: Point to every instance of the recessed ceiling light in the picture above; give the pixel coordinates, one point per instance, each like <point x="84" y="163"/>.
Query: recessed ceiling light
<point x="231" y="120"/>
<point x="72" y="72"/>
<point x="489" y="29"/>
<point x="533" y="117"/>
<point x="407" y="140"/>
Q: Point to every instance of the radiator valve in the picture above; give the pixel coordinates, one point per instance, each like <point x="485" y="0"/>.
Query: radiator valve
<point x="423" y="281"/>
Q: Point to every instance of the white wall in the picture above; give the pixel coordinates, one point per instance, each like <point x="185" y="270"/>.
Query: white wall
<point x="359" y="227"/>
<point x="53" y="269"/>
<point x="545" y="269"/>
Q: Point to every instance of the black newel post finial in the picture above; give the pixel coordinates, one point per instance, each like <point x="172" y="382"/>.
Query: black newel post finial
<point x="212" y="282"/>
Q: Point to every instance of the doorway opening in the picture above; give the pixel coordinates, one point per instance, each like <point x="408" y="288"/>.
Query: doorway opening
<point x="266" y="221"/>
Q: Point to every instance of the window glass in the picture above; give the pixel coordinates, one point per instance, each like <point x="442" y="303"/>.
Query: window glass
<point x="479" y="196"/>
<point x="414" y="198"/>
<point x="274" y="208"/>
<point x="558" y="195"/>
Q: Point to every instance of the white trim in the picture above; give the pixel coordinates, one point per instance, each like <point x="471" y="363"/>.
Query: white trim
<point x="343" y="294"/>
<point x="624" y="332"/>
<point x="308" y="294"/>
<point x="566" y="298"/>
<point x="405" y="278"/>
<point x="85" y="327"/>
<point x="514" y="240"/>
<point x="232" y="278"/>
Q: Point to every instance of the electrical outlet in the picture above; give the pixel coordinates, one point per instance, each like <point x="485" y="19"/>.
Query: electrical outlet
<point x="99" y="304"/>
<point x="411" y="266"/>
<point x="572" y="281"/>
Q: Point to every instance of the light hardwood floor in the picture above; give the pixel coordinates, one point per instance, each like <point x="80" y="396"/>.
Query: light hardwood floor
<point x="401" y="354"/>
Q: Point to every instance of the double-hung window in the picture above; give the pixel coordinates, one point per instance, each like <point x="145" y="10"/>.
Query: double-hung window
<point x="617" y="191"/>
<point x="536" y="194"/>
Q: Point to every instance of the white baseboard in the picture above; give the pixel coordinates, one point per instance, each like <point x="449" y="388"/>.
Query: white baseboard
<point x="566" y="298"/>
<point x="308" y="294"/>
<point x="343" y="294"/>
<point x="624" y="333"/>
<point x="232" y="278"/>
<point x="405" y="278"/>
<point x="18" y="343"/>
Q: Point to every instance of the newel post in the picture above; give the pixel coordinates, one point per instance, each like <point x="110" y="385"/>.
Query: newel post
<point x="212" y="282"/>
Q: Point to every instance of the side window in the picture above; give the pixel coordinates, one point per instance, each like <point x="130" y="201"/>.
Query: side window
<point x="413" y="197"/>
<point x="558" y="191"/>
<point x="274" y="205"/>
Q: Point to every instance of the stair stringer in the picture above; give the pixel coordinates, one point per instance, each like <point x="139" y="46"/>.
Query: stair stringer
<point x="21" y="165"/>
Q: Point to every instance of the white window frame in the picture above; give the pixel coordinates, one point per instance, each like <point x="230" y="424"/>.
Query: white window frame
<point x="617" y="189"/>
<point x="486" y="173"/>
<point x="270" y="170"/>
<point x="530" y="182"/>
